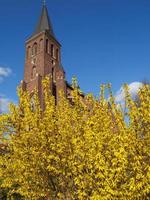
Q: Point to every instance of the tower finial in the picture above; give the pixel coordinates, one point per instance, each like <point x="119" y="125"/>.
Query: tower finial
<point x="44" y="2"/>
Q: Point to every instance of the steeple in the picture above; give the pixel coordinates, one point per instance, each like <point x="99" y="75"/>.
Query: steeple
<point x="44" y="23"/>
<point x="43" y="58"/>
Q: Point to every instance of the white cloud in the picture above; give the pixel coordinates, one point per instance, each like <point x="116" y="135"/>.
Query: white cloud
<point x="5" y="72"/>
<point x="4" y="101"/>
<point x="4" y="104"/>
<point x="133" y="89"/>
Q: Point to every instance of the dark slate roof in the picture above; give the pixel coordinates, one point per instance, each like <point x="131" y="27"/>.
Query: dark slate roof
<point x="44" y="23"/>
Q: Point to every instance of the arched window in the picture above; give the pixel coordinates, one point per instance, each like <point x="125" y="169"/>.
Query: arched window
<point x="34" y="49"/>
<point x="52" y="50"/>
<point x="47" y="49"/>
<point x="41" y="45"/>
<point x="57" y="54"/>
<point x="28" y="52"/>
<point x="33" y="73"/>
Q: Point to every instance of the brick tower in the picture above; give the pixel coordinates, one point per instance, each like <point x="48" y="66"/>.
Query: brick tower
<point x="43" y="58"/>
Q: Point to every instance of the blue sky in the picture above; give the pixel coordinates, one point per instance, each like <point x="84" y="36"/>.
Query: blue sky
<point x="103" y="41"/>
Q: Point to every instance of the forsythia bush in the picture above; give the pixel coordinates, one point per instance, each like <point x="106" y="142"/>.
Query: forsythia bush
<point x="88" y="149"/>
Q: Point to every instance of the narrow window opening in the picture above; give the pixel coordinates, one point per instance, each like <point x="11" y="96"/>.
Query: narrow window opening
<point x="41" y="45"/>
<point x="57" y="54"/>
<point x="52" y="74"/>
<point x="34" y="49"/>
<point x="52" y="50"/>
<point x="47" y="51"/>
<point x="33" y="74"/>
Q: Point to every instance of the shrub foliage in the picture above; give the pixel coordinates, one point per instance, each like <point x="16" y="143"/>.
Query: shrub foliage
<point x="88" y="149"/>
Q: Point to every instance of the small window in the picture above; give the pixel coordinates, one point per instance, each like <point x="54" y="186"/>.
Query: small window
<point x="34" y="49"/>
<point x="41" y="45"/>
<point x="52" y="50"/>
<point x="52" y="74"/>
<point x="57" y="54"/>
<point x="33" y="74"/>
<point x="47" y="49"/>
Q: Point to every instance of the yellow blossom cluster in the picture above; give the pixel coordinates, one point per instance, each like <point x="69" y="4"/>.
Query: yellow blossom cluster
<point x="87" y="149"/>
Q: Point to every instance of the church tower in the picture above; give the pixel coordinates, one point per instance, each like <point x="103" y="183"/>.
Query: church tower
<point x="43" y="58"/>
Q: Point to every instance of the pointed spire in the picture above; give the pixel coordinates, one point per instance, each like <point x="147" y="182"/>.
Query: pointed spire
<point x="44" y="23"/>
